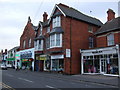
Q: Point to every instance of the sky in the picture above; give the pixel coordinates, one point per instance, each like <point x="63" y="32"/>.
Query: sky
<point x="14" y="15"/>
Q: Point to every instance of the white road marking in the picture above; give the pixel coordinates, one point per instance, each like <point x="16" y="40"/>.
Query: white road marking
<point x="49" y="86"/>
<point x="9" y="75"/>
<point x="26" y="80"/>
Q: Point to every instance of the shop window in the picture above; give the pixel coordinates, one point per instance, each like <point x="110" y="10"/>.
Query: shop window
<point x="57" y="65"/>
<point x="110" y="39"/>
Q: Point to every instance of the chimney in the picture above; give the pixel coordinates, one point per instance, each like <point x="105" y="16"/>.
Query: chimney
<point x="111" y="14"/>
<point x="45" y="16"/>
<point x="29" y="20"/>
<point x="5" y="51"/>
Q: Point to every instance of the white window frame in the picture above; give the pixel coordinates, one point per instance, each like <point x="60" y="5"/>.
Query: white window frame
<point x="35" y="45"/>
<point x="53" y="44"/>
<point x="110" y="39"/>
<point x="56" y="22"/>
<point x="24" y="44"/>
<point x="29" y="42"/>
<point x="90" y="29"/>
<point x="41" y="30"/>
<point x="40" y="45"/>
<point x="48" y="29"/>
<point x="47" y="42"/>
<point x="91" y="42"/>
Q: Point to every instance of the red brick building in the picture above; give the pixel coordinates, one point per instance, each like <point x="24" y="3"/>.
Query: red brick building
<point x="105" y="58"/>
<point x="60" y="38"/>
<point x="25" y="55"/>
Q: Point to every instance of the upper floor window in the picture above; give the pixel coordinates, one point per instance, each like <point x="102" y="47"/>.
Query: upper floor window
<point x="48" y="42"/>
<point x="56" y="40"/>
<point x="35" y="44"/>
<point x="90" y="29"/>
<point x="56" y="21"/>
<point x="91" y="42"/>
<point x="48" y="29"/>
<point x="110" y="39"/>
<point x="29" y="42"/>
<point x="40" y="44"/>
<point x="24" y="44"/>
<point x="40" y="30"/>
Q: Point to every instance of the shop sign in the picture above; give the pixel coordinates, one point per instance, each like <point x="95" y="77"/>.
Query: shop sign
<point x="26" y="55"/>
<point x="97" y="52"/>
<point x="57" y="57"/>
<point x="68" y="53"/>
<point x="41" y="57"/>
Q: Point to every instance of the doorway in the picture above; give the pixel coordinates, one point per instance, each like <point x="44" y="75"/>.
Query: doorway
<point x="103" y="66"/>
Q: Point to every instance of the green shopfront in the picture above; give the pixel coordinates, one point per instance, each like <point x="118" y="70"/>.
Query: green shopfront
<point x="10" y="62"/>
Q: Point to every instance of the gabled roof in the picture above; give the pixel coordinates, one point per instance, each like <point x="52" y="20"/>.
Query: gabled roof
<point x="71" y="12"/>
<point x="111" y="25"/>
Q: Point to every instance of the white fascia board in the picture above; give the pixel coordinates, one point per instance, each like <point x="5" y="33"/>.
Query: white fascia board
<point x="54" y="11"/>
<point x="98" y="49"/>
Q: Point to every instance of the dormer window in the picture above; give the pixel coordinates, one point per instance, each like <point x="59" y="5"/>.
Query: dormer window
<point x="90" y="29"/>
<point x="48" y="29"/>
<point x="56" y="21"/>
<point x="110" y="39"/>
<point x="40" y="30"/>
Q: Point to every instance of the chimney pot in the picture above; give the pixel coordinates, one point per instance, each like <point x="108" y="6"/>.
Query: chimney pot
<point x="45" y="15"/>
<point x="111" y="14"/>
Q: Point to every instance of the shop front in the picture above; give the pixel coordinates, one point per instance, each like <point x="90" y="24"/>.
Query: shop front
<point x="39" y="62"/>
<point x="17" y="60"/>
<point x="57" y="63"/>
<point x="27" y="59"/>
<point x="100" y="61"/>
<point x="10" y="62"/>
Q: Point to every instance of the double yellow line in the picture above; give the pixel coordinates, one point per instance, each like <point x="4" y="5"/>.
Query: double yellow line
<point x="6" y="86"/>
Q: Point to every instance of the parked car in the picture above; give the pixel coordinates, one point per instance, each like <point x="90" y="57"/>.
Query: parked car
<point x="3" y="67"/>
<point x="9" y="65"/>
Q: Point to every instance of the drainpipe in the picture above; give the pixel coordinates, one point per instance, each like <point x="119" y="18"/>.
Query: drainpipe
<point x="71" y="45"/>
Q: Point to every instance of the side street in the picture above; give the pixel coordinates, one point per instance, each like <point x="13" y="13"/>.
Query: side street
<point x="67" y="50"/>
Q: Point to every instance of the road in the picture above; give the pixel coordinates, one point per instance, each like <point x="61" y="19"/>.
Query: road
<point x="27" y="79"/>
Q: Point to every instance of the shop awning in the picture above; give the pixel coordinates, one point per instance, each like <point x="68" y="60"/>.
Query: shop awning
<point x="10" y="59"/>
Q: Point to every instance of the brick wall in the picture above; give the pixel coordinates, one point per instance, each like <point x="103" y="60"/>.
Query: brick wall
<point x="27" y="34"/>
<point x="102" y="39"/>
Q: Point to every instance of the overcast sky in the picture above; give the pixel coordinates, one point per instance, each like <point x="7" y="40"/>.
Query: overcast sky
<point x="14" y="15"/>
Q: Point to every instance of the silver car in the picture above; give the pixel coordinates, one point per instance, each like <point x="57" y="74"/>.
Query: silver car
<point x="3" y="67"/>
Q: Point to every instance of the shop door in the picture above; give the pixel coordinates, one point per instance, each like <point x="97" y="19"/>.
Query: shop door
<point x="103" y="66"/>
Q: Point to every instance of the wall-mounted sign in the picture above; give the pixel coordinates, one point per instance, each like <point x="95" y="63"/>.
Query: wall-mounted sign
<point x="68" y="52"/>
<point x="57" y="56"/>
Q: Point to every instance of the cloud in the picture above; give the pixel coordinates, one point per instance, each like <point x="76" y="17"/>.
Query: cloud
<point x="14" y="15"/>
